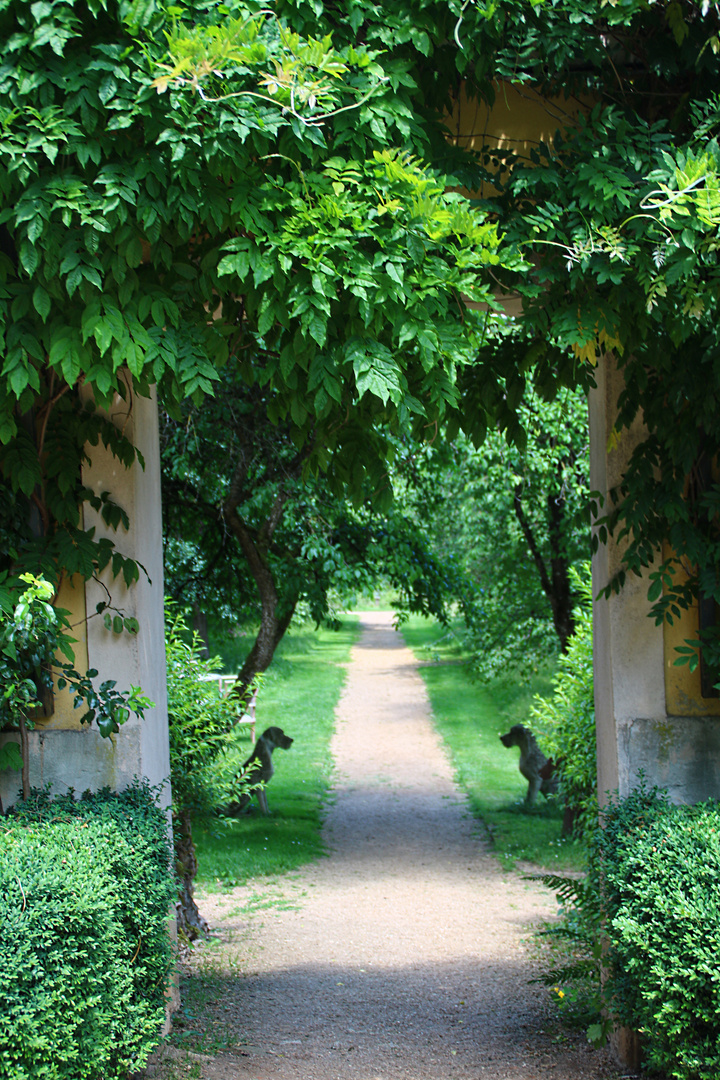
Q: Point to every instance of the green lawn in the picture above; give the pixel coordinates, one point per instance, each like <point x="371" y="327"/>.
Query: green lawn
<point x="470" y="717"/>
<point x="299" y="694"/>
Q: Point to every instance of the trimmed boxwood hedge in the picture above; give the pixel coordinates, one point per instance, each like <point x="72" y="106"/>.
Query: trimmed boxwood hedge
<point x="85" y="950"/>
<point x="656" y="867"/>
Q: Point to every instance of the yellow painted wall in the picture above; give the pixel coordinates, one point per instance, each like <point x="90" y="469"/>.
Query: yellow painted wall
<point x="683" y="696"/>
<point x="519" y="120"/>
<point x="72" y="598"/>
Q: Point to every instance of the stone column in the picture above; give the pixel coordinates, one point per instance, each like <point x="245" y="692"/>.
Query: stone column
<point x="64" y="753"/>
<point x="650" y="714"/>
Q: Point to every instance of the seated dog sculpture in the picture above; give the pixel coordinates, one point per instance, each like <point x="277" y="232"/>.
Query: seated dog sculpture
<point x="533" y="763"/>
<point x="258" y="769"/>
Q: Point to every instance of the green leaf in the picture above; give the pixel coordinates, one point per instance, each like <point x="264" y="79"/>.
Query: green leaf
<point x="395" y="271"/>
<point x="317" y="326"/>
<point x="655" y="589"/>
<point x="29" y="258"/>
<point x="10" y="757"/>
<point x="41" y="302"/>
<point x="107" y="88"/>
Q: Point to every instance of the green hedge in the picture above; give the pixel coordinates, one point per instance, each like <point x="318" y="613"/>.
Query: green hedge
<point x="657" y="868"/>
<point x="85" y="951"/>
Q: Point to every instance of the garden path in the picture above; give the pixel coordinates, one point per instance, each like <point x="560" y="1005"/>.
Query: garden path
<point x="406" y="953"/>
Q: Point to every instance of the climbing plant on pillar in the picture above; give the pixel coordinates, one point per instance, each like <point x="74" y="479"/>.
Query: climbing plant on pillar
<point x="32" y="633"/>
<point x="618" y="218"/>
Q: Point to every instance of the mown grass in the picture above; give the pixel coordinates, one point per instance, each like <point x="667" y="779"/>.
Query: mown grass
<point x="470" y="718"/>
<point x="299" y="694"/>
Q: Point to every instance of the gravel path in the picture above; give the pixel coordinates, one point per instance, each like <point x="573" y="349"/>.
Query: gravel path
<point x="404" y="954"/>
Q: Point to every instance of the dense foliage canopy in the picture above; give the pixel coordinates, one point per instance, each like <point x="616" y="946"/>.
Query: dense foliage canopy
<point x="186" y="185"/>
<point x="148" y="235"/>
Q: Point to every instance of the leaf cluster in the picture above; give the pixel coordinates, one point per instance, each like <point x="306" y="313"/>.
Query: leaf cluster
<point x="566" y="720"/>
<point x="200" y="722"/>
<point x="32" y="633"/>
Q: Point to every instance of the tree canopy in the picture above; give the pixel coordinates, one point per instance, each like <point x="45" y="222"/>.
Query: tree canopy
<point x="252" y="540"/>
<point x="513" y="524"/>
<point x="188" y="184"/>
<point x="149" y="232"/>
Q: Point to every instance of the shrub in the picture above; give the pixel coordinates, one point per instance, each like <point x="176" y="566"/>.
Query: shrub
<point x="566" y="720"/>
<point x="658" y="866"/>
<point x="649" y="911"/>
<point x="201" y="725"/>
<point x="201" y="722"/>
<point x="85" y="950"/>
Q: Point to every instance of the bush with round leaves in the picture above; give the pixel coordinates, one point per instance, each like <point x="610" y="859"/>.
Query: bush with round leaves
<point x="656" y="867"/>
<point x="85" y="949"/>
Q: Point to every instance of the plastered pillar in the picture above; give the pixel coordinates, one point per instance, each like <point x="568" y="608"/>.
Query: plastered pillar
<point x="63" y="753"/>
<point x="651" y="717"/>
<point x="627" y="646"/>
<point x="142" y="746"/>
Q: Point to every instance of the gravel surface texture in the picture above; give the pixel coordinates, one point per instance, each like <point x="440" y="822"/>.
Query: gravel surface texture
<point x="406" y="953"/>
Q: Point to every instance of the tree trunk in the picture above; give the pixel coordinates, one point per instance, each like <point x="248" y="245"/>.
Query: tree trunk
<point x="200" y="626"/>
<point x="25" y="750"/>
<point x="260" y="656"/>
<point x="275" y="617"/>
<point x="569" y="823"/>
<point x="562" y="598"/>
<point x="556" y="584"/>
<point x="190" y="922"/>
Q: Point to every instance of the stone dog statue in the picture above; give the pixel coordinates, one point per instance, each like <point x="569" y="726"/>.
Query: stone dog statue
<point x="258" y="769"/>
<point x="533" y="765"/>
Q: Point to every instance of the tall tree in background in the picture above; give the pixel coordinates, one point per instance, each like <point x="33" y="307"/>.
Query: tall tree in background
<point x="514" y="521"/>
<point x="251" y="538"/>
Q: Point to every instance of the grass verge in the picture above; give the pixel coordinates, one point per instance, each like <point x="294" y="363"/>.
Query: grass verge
<point x="299" y="694"/>
<point x="470" y="717"/>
